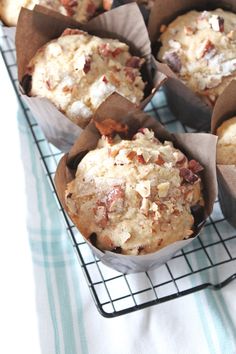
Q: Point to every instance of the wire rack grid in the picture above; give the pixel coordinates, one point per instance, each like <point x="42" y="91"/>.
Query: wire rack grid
<point x="208" y="262"/>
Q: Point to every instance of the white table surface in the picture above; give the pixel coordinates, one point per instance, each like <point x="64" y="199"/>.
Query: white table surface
<point x="18" y="317"/>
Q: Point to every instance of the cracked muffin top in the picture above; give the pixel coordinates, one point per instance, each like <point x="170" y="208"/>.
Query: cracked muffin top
<point x="78" y="71"/>
<point x="80" y="10"/>
<point x="200" y="47"/>
<point x="134" y="196"/>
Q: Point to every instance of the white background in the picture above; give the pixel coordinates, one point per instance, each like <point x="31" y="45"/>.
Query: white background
<point x="18" y="318"/>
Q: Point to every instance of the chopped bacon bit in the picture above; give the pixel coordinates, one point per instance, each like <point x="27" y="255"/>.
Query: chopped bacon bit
<point x="116" y="52"/>
<point x="109" y="127"/>
<point x="141" y="159"/>
<point x="188" y="175"/>
<point x="104" y="79"/>
<point x="91" y="8"/>
<point x="195" y="166"/>
<point x="133" y="62"/>
<point x="159" y="160"/>
<point x="174" y="62"/>
<point x="100" y="213"/>
<point x="87" y="65"/>
<point x="208" y="48"/>
<point x="70" y="31"/>
<point x="129" y="72"/>
<point x="131" y="155"/>
<point x="115" y="199"/>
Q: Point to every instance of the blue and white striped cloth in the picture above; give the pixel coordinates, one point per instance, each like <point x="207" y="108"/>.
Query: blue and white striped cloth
<point x="69" y="323"/>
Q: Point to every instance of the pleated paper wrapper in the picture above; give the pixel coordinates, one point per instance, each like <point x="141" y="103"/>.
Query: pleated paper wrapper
<point x="41" y="25"/>
<point x="186" y="105"/>
<point x="195" y="146"/>
<point x="225" y="109"/>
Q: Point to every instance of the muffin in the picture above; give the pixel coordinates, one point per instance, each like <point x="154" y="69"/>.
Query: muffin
<point x="226" y="145"/>
<point x="80" y="10"/>
<point x="200" y="48"/>
<point x="108" y="4"/>
<point x="78" y="71"/>
<point x="136" y="196"/>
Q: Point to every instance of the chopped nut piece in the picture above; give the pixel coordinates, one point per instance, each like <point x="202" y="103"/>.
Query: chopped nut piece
<point x="163" y="189"/>
<point x="232" y="35"/>
<point x="87" y="65"/>
<point x="113" y="153"/>
<point x="174" y="44"/>
<point x="163" y="28"/>
<point x="115" y="199"/>
<point x="173" y="60"/>
<point x="207" y="50"/>
<point x="143" y="188"/>
<point x="189" y="31"/>
<point x="131" y="155"/>
<point x="160" y="161"/>
<point x="100" y="213"/>
<point x="145" y="206"/>
<point x="140" y="159"/>
<point x="217" y="23"/>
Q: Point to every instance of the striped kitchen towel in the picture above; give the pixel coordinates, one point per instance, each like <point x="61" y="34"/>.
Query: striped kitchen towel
<point x="69" y="323"/>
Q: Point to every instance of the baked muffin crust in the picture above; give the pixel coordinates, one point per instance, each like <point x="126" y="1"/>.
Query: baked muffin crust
<point x="134" y="196"/>
<point x="80" y="10"/>
<point x="78" y="71"/>
<point x="201" y="48"/>
<point x="226" y="145"/>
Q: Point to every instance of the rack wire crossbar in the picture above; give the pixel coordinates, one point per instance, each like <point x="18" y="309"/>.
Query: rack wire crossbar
<point x="208" y="262"/>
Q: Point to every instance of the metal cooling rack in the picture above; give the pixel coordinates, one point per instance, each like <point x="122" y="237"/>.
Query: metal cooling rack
<point x="208" y="262"/>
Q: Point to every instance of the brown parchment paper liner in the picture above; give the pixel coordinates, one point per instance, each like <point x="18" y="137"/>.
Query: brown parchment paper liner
<point x="186" y="105"/>
<point x="41" y="25"/>
<point x="225" y="109"/>
<point x="195" y="145"/>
